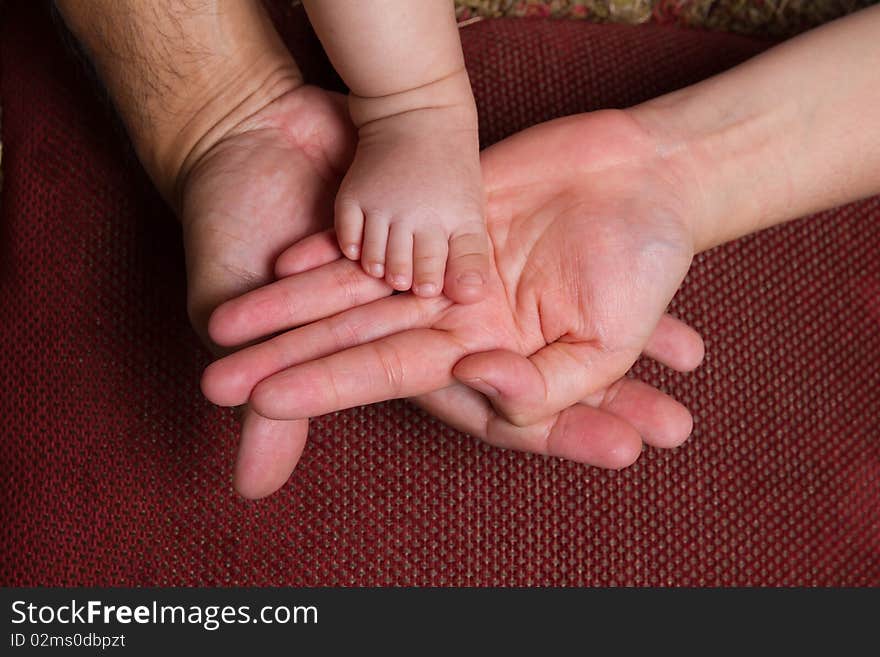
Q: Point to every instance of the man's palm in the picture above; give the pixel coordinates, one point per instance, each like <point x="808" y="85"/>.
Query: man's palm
<point x="259" y="189"/>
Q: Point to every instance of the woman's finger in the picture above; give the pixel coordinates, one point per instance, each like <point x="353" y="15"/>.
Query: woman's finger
<point x="309" y="253"/>
<point x="294" y="301"/>
<point x="400" y="365"/>
<point x="230" y="380"/>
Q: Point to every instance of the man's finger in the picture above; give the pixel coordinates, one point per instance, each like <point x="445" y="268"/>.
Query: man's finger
<point x="400" y="365"/>
<point x="676" y="345"/>
<point x="603" y="436"/>
<point x="662" y="421"/>
<point x="581" y="433"/>
<point x="268" y="453"/>
<point x="294" y="301"/>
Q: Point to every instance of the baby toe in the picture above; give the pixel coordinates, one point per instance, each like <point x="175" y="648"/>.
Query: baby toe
<point x="375" y="244"/>
<point x="430" y="249"/>
<point x="398" y="257"/>
<point x="349" y="220"/>
<point x="467" y="269"/>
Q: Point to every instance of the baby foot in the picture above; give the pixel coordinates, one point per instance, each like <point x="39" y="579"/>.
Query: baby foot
<point x="411" y="204"/>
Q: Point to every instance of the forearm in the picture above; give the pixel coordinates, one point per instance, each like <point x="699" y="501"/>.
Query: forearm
<point x="181" y="74"/>
<point x="791" y="132"/>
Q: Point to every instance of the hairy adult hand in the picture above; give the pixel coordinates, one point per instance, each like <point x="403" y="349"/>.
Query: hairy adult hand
<point x="261" y="187"/>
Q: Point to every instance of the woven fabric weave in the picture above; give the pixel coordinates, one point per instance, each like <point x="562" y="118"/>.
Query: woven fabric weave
<point x="114" y="470"/>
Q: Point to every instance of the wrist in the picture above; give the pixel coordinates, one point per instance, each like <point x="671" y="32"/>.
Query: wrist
<point x="245" y="68"/>
<point x="686" y="164"/>
<point x="181" y="74"/>
<point x="728" y="162"/>
<point x="212" y="117"/>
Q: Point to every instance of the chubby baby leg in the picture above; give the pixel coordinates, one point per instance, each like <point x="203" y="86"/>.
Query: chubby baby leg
<point x="411" y="205"/>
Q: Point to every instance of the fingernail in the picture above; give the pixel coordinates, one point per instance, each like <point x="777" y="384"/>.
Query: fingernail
<point x="377" y="270"/>
<point x="426" y="290"/>
<point x="470" y="278"/>
<point x="482" y="386"/>
<point x="399" y="281"/>
<point x="352" y="251"/>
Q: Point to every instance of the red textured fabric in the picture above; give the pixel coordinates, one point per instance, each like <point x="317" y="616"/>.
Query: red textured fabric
<point x="114" y="470"/>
